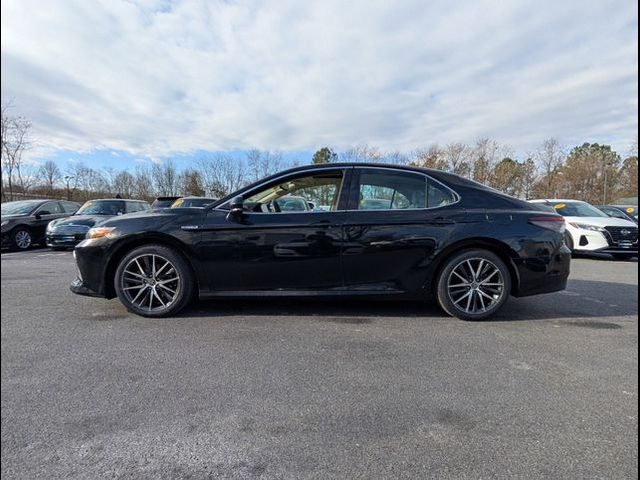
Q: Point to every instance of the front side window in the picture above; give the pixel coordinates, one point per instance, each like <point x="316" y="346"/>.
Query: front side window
<point x="317" y="192"/>
<point x="69" y="207"/>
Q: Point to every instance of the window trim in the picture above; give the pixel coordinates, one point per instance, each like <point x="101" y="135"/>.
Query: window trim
<point x="355" y="190"/>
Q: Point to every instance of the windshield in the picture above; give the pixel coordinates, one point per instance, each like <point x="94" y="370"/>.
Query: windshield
<point x="578" y="209"/>
<point x="101" y="207"/>
<point x="18" y="208"/>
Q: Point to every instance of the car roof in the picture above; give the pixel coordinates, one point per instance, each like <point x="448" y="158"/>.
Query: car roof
<point x="556" y="200"/>
<point x="116" y="200"/>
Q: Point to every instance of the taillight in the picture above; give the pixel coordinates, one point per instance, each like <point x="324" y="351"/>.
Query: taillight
<point x="550" y="222"/>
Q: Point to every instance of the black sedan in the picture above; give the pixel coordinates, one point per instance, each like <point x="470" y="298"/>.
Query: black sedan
<point x="440" y="236"/>
<point x="24" y="222"/>
<point x="68" y="232"/>
<point x="625" y="212"/>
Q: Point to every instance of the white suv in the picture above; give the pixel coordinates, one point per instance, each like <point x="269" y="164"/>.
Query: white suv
<point x="591" y="230"/>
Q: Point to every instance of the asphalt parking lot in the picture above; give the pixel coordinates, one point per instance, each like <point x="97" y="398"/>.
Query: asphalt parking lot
<point x="293" y="389"/>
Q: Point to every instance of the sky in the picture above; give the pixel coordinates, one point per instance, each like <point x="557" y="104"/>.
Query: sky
<point x="114" y="83"/>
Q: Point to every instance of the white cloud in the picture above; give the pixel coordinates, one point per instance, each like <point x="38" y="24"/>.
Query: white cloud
<point x="155" y="78"/>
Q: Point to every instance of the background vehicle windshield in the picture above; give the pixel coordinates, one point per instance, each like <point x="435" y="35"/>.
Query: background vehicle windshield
<point x="101" y="207"/>
<point x="18" y="208"/>
<point x="578" y="209"/>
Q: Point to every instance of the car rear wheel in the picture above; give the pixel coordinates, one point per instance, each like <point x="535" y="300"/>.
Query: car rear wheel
<point x="473" y="285"/>
<point x="154" y="281"/>
<point x="21" y="238"/>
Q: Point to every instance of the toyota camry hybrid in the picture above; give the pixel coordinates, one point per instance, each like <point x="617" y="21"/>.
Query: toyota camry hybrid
<point x="383" y="231"/>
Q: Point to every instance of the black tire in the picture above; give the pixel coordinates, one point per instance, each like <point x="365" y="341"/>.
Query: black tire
<point x="568" y="240"/>
<point x="479" y="291"/>
<point x="154" y="291"/>
<point x="21" y="238"/>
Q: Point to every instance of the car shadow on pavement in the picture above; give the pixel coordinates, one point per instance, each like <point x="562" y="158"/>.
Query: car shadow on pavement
<point x="582" y="299"/>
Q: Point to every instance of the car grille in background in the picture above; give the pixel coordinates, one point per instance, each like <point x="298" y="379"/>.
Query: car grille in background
<point x="619" y="235"/>
<point x="71" y="229"/>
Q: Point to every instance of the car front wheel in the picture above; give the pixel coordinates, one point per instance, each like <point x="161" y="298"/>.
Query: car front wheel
<point x="154" y="281"/>
<point x="21" y="239"/>
<point x="473" y="285"/>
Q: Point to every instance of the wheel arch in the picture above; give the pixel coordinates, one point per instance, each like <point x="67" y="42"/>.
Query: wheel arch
<point x="125" y="246"/>
<point x="498" y="247"/>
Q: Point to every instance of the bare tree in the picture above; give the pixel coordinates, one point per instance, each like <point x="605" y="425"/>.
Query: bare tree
<point x="263" y="163"/>
<point x="550" y="156"/>
<point x="51" y="174"/>
<point x="457" y="158"/>
<point x="484" y="157"/>
<point x="221" y="174"/>
<point x="124" y="184"/>
<point x="430" y="157"/>
<point x="143" y="185"/>
<point x="361" y="153"/>
<point x="15" y="133"/>
<point x="165" y="177"/>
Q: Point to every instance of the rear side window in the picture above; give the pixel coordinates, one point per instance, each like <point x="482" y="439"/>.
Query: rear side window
<point x="137" y="207"/>
<point x="70" y="207"/>
<point x="438" y="195"/>
<point x="389" y="190"/>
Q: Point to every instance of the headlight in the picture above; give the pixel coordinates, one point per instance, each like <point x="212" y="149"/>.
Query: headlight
<point x="582" y="226"/>
<point x="50" y="226"/>
<point x="4" y="222"/>
<point x="99" y="232"/>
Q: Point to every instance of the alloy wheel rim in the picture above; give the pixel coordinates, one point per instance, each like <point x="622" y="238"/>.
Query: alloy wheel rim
<point x="475" y="285"/>
<point x="150" y="282"/>
<point x="23" y="239"/>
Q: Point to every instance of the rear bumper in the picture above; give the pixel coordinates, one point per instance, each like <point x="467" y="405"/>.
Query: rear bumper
<point x="543" y="274"/>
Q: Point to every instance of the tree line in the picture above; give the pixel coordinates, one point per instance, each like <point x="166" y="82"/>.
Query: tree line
<point x="590" y="171"/>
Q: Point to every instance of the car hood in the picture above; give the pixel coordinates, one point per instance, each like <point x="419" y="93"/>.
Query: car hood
<point x="602" y="221"/>
<point x="81" y="220"/>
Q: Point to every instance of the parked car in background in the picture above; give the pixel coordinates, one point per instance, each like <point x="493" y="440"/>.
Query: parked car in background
<point x="24" y="222"/>
<point x="163" y="202"/>
<point x="68" y="232"/>
<point x="441" y="236"/>
<point x="626" y="212"/>
<point x="186" y="202"/>
<point x="590" y="230"/>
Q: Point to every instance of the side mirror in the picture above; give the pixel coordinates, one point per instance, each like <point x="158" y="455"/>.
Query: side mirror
<point x="236" y="208"/>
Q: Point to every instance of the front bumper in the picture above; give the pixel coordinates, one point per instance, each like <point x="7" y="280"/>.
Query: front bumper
<point x="79" y="288"/>
<point x="91" y="261"/>
<point x="53" y="240"/>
